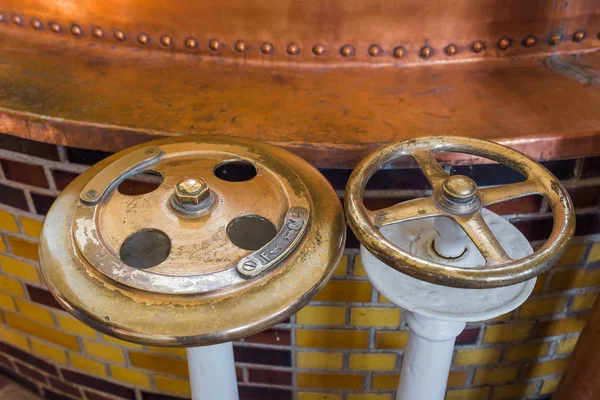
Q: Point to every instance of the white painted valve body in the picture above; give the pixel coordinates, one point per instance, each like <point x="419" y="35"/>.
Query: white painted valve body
<point x="212" y="372"/>
<point x="438" y="314"/>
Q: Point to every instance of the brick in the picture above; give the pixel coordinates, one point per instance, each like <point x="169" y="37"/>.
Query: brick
<point x="560" y="326"/>
<point x="7" y="302"/>
<point x="64" y="387"/>
<point x="13" y="197"/>
<point x="321" y="315"/>
<point x="174" y="351"/>
<point x="30" y="372"/>
<point x="29" y="147"/>
<point x="2" y="244"/>
<point x="527" y="351"/>
<point x="84" y="156"/>
<point x="62" y="179"/>
<point x="120" y="342"/>
<point x="309" y="380"/>
<point x="103" y="351"/>
<point x="391" y="339"/>
<point x="24" y="173"/>
<point x="359" y="269"/>
<point x="332" y="338"/>
<point x="540" y="283"/>
<point x="346" y="291"/>
<point x="157" y="363"/>
<point x="72" y="325"/>
<point x="468" y="394"/>
<point x="369" y="396"/>
<point x="34" y="312"/>
<point x="172" y="385"/>
<point x="375" y="316"/>
<point x="583" y="301"/>
<point x="373" y="362"/>
<point x="549" y="386"/>
<point x="8" y="222"/>
<point x="383" y="299"/>
<point x="341" y="269"/>
<point x="98" y="384"/>
<point x="391" y="381"/>
<point x="573" y="255"/>
<point x="42" y="331"/>
<point x="42" y="203"/>
<point x="572" y="279"/>
<point x="542" y="306"/>
<point x="278" y="336"/>
<point x="507" y="332"/>
<point x="19" y="268"/>
<point x="130" y="376"/>
<point x="545" y="368"/>
<point x="494" y="376"/>
<point x="476" y="356"/>
<point x="14" y="338"/>
<point x="566" y="345"/>
<point x="523" y="205"/>
<point x="271" y="377"/>
<point x="28" y="359"/>
<point x="594" y="254"/>
<point x="319" y="360"/>
<point x="319" y="396"/>
<point x="31" y="227"/>
<point x="267" y="356"/>
<point x="43" y="297"/>
<point x="513" y="392"/>
<point x="23" y="248"/>
<point x="457" y="379"/>
<point x="48" y="351"/>
<point x="83" y="363"/>
<point x="468" y="336"/>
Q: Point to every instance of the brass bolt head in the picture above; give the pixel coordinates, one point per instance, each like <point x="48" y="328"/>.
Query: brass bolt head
<point x="530" y="41"/>
<point x="166" y="41"/>
<point x="347" y="50"/>
<point x="266" y="48"/>
<point x="478" y="46"/>
<point x="399" y="52"/>
<point x="240" y="46"/>
<point x="191" y="191"/>
<point x="293" y="49"/>
<point x="97" y="32"/>
<point x="191" y="43"/>
<point x="451" y="50"/>
<point x="76" y="30"/>
<point x="555" y="39"/>
<point x="36" y="24"/>
<point x="579" y="36"/>
<point x="318" y="49"/>
<point x="143" y="38"/>
<point x="459" y="188"/>
<point x="17" y="20"/>
<point x="55" y="27"/>
<point x="120" y="35"/>
<point x="215" y="45"/>
<point x="375" y="50"/>
<point x="426" y="52"/>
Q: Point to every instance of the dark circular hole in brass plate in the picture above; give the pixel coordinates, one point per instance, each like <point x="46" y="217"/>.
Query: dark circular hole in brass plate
<point x="251" y="232"/>
<point x="145" y="249"/>
<point x="141" y="183"/>
<point x="235" y="171"/>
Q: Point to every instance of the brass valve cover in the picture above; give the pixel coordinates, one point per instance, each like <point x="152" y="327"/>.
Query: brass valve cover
<point x="237" y="236"/>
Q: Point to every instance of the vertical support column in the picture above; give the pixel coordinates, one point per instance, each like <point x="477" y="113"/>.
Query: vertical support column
<point x="212" y="372"/>
<point x="427" y="357"/>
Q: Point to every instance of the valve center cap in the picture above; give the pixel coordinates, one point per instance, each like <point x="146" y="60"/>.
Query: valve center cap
<point x="459" y="188"/>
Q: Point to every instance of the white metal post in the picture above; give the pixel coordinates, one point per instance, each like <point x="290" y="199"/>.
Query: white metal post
<point x="212" y="372"/>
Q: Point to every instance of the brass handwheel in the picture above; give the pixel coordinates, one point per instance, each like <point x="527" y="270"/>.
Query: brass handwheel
<point x="458" y="197"/>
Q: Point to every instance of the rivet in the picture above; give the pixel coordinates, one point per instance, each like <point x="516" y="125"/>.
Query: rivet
<point x="76" y="30"/>
<point x="478" y="46"/>
<point x="375" y="50"/>
<point x="347" y="50"/>
<point x="166" y="40"/>
<point x="36" y="24"/>
<point x="293" y="49"/>
<point x="318" y="49"/>
<point x="1" y="18"/>
<point x="17" y="20"/>
<point x="399" y="52"/>
<point x="530" y="41"/>
<point x="579" y="36"/>
<point x="54" y="27"/>
<point x="240" y="46"/>
<point x="266" y="48"/>
<point x="214" y="45"/>
<point x="191" y="43"/>
<point x="249" y="265"/>
<point x="119" y="35"/>
<point x="555" y="39"/>
<point x="97" y="32"/>
<point x="426" y="52"/>
<point x="504" y="43"/>
<point x="143" y="38"/>
<point x="451" y="50"/>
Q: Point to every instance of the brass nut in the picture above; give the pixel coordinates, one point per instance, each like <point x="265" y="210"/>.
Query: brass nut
<point x="191" y="191"/>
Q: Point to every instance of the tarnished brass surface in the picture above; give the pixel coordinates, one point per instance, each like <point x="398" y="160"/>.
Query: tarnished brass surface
<point x="500" y="269"/>
<point x="196" y="296"/>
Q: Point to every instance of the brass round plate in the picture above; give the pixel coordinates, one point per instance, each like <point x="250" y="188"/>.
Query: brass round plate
<point x="136" y="267"/>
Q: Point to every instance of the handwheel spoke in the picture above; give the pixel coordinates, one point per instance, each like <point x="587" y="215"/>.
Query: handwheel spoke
<point x="433" y="171"/>
<point x="497" y="194"/>
<point x="481" y="235"/>
<point x="406" y="211"/>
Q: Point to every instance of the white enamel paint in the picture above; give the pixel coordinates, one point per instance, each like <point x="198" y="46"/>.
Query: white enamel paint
<point x="439" y="313"/>
<point x="212" y="372"/>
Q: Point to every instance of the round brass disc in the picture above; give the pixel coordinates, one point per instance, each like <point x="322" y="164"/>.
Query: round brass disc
<point x="136" y="267"/>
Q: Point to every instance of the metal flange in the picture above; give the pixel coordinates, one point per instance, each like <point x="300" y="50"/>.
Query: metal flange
<point x="236" y="236"/>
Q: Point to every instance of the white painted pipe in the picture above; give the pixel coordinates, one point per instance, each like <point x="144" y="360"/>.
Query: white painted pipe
<point x="212" y="372"/>
<point x="427" y="357"/>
